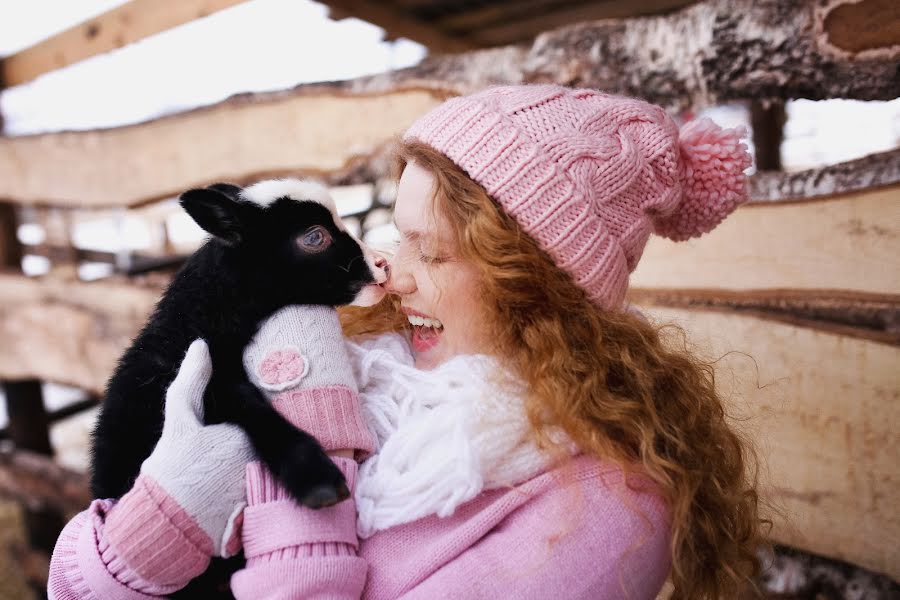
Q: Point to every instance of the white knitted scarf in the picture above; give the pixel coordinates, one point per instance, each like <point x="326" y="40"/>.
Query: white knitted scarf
<point x="443" y="435"/>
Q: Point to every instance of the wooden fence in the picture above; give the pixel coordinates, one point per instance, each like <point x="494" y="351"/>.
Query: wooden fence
<point x="798" y="291"/>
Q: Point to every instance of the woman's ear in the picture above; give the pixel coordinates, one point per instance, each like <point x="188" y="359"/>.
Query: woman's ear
<point x="219" y="212"/>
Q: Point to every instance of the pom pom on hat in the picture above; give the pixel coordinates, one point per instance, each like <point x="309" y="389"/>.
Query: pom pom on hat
<point x="713" y="183"/>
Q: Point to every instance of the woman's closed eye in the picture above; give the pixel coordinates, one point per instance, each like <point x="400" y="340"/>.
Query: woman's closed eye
<point x="433" y="257"/>
<point x="431" y="260"/>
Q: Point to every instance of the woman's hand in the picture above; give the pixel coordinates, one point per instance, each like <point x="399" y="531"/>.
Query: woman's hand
<point x="200" y="466"/>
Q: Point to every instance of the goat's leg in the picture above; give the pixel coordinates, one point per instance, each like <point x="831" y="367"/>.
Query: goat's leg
<point x="126" y="431"/>
<point x="295" y="457"/>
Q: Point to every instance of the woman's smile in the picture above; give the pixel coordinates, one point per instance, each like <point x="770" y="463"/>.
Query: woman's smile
<point x="426" y="330"/>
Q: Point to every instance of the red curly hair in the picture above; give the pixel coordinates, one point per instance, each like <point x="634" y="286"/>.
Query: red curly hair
<point x="615" y="383"/>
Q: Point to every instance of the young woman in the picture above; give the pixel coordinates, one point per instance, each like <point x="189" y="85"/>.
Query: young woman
<point x="523" y="434"/>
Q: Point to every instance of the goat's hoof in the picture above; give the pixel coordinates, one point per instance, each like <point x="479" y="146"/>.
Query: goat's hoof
<point x="313" y="479"/>
<point x="322" y="496"/>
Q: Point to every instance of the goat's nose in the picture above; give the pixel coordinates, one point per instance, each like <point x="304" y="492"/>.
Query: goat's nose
<point x="381" y="268"/>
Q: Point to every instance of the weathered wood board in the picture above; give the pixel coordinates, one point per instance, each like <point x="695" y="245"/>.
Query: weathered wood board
<point x="823" y="410"/>
<point x="848" y="242"/>
<point x="68" y="332"/>
<point x="126" y="166"/>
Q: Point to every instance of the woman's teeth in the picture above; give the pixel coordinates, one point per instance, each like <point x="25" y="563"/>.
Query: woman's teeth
<point x="425" y="322"/>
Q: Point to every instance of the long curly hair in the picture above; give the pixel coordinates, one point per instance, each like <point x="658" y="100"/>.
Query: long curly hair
<point x="615" y="383"/>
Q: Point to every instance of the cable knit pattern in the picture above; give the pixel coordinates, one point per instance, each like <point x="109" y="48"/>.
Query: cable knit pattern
<point x="589" y="175"/>
<point x="299" y="360"/>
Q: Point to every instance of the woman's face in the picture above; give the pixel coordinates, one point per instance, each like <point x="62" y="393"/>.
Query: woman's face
<point x="438" y="290"/>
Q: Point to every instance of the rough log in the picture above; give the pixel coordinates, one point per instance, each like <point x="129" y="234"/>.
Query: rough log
<point x="723" y="50"/>
<point x="849" y="242"/>
<point x="873" y="171"/>
<point x="822" y="410"/>
<point x="38" y="483"/>
<point x="714" y="51"/>
<point x="122" y="25"/>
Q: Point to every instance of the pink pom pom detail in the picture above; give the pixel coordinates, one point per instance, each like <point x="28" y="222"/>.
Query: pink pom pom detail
<point x="713" y="183"/>
<point x="282" y="368"/>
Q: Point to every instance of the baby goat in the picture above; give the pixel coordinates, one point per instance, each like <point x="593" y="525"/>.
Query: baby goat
<point x="274" y="243"/>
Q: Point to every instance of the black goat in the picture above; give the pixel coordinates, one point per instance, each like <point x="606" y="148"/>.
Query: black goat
<point x="275" y="243"/>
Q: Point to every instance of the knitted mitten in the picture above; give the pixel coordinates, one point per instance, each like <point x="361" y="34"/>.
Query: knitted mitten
<point x="298" y="358"/>
<point x="194" y="477"/>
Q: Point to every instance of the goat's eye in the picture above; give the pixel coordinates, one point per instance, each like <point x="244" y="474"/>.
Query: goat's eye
<point x="314" y="239"/>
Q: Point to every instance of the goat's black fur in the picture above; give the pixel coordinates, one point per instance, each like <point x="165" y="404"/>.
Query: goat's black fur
<point x="250" y="268"/>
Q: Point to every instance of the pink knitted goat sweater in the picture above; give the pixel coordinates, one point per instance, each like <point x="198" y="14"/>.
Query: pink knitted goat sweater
<point x="574" y="532"/>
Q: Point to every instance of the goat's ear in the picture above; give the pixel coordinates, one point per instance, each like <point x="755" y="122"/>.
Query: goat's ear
<point x="219" y="213"/>
<point x="229" y="189"/>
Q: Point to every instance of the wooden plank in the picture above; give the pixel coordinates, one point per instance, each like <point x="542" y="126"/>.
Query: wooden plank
<point x="399" y="23"/>
<point x="40" y="484"/>
<point x="118" y="27"/>
<point x="823" y="410"/>
<point x="284" y="134"/>
<point x="69" y="332"/>
<point x="847" y="242"/>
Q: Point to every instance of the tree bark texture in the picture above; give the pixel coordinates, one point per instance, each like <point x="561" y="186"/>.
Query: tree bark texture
<point x="715" y="51"/>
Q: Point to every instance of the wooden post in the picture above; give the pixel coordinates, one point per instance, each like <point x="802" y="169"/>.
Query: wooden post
<point x="27" y="416"/>
<point x="767" y="121"/>
<point x="10" y="248"/>
<point x="28" y="429"/>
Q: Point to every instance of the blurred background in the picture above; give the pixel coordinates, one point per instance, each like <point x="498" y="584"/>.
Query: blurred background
<point x="110" y="108"/>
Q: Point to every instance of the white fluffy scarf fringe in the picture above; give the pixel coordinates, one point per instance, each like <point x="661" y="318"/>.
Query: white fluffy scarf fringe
<point x="443" y="435"/>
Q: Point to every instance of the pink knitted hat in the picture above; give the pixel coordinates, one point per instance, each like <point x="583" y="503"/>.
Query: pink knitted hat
<point x="589" y="175"/>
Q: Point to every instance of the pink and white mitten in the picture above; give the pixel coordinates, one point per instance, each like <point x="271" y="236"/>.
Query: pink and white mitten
<point x="298" y="358"/>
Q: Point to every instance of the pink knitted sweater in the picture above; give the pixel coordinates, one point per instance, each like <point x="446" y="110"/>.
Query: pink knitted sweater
<point x="574" y="532"/>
